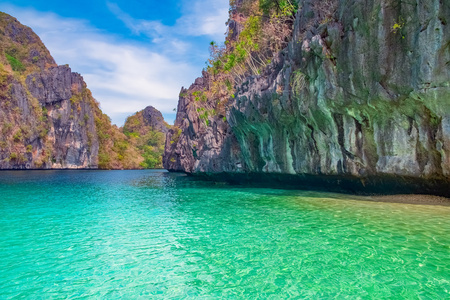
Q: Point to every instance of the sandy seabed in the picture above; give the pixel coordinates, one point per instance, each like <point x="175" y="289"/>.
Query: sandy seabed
<point x="412" y="199"/>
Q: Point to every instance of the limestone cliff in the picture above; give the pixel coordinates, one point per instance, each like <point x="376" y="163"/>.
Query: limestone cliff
<point x="50" y="120"/>
<point x="361" y="91"/>
<point x="46" y="111"/>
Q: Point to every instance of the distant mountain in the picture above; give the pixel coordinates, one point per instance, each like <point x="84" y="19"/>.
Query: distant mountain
<point x="147" y="132"/>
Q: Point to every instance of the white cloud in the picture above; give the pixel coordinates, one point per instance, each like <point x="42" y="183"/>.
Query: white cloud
<point x="204" y="17"/>
<point x="123" y="75"/>
<point x="200" y="18"/>
<point x="151" y="28"/>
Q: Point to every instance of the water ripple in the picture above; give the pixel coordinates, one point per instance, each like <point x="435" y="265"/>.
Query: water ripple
<point x="151" y="234"/>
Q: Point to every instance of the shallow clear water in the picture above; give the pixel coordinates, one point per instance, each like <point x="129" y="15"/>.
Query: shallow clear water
<point x="151" y="234"/>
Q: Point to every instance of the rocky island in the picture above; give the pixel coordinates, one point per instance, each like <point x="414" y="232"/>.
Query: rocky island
<point x="50" y="120"/>
<point x="347" y="94"/>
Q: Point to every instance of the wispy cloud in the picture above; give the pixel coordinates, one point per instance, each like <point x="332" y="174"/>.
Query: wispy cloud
<point x="200" y="18"/>
<point x="152" y="28"/>
<point x="124" y="75"/>
<point x="204" y="17"/>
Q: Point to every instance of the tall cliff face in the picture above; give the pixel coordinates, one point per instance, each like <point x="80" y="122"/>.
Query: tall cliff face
<point x="50" y="120"/>
<point x="47" y="114"/>
<point x="362" y="90"/>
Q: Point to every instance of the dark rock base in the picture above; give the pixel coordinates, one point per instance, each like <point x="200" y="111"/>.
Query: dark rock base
<point x="379" y="185"/>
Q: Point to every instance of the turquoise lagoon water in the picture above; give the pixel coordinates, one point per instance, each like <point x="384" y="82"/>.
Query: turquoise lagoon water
<point x="156" y="235"/>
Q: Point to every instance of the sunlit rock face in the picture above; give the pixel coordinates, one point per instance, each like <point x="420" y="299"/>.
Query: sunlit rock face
<point x="46" y="111"/>
<point x="365" y="95"/>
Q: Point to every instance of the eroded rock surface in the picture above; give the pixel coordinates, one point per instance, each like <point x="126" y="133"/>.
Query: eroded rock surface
<point x="365" y="95"/>
<point x="46" y="111"/>
<point x="154" y="118"/>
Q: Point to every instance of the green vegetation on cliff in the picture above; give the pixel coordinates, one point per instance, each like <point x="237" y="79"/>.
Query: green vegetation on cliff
<point x="260" y="30"/>
<point x="264" y="28"/>
<point x="20" y="48"/>
<point x="135" y="146"/>
<point x="115" y="151"/>
<point x="148" y="140"/>
<point x="49" y="118"/>
<point x="353" y="89"/>
<point x="21" y="121"/>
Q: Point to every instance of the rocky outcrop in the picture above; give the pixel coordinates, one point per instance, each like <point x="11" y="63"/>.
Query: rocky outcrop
<point x="70" y="112"/>
<point x="362" y="95"/>
<point x="47" y="114"/>
<point x="49" y="119"/>
<point x="154" y="118"/>
<point x="57" y="130"/>
<point x="147" y="131"/>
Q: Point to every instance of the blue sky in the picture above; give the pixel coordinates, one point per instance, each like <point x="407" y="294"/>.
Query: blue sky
<point x="131" y="53"/>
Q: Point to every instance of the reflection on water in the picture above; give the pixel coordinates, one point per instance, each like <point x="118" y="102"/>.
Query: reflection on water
<point x="116" y="234"/>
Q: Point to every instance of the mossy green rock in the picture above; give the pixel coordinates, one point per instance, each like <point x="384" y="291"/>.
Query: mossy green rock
<point x="364" y="94"/>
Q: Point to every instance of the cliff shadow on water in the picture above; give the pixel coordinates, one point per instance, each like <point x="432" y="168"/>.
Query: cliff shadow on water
<point x="376" y="186"/>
